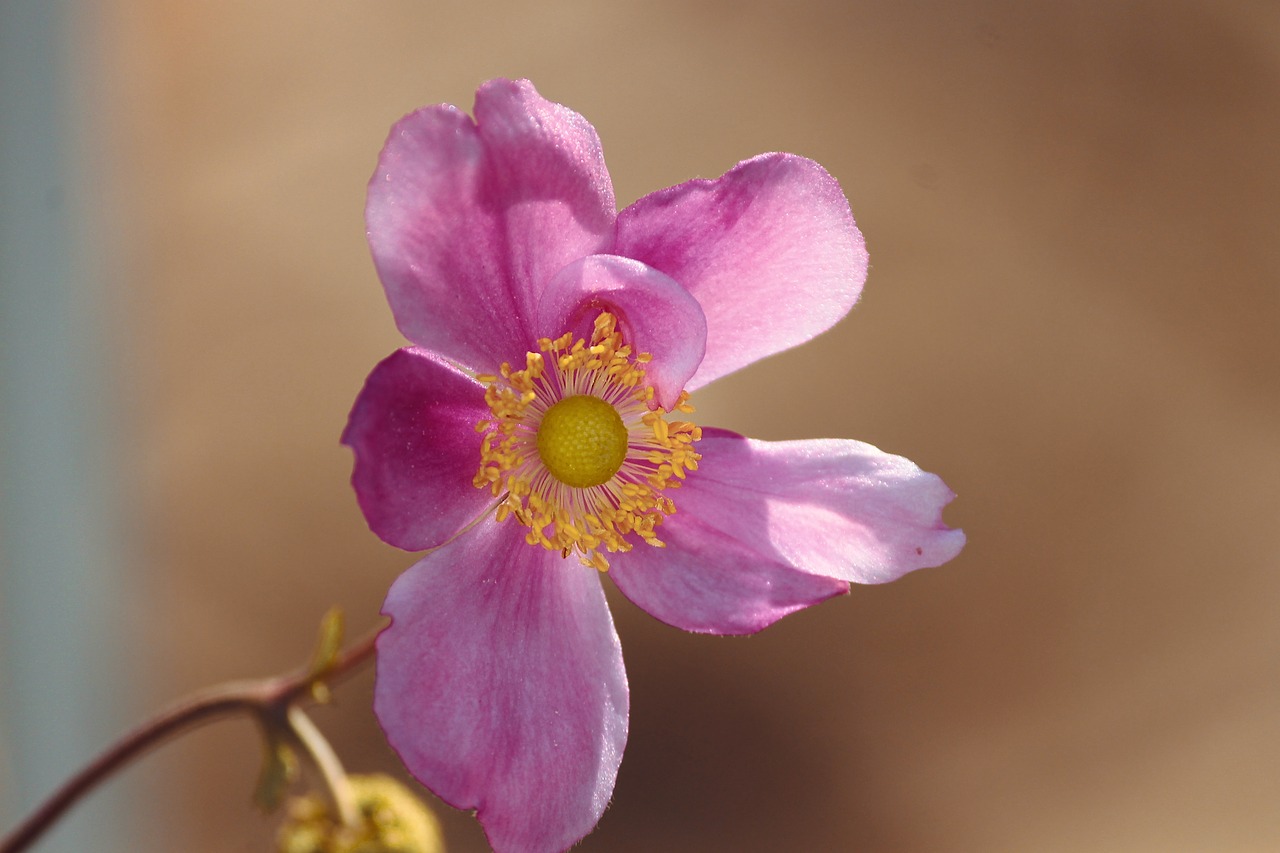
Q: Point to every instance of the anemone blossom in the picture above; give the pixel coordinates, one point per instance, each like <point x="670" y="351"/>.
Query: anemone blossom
<point x="534" y="438"/>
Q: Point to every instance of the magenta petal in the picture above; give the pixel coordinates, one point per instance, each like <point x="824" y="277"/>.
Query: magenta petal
<point x="769" y="249"/>
<point x="656" y="315"/>
<point x="413" y="432"/>
<point x="468" y="220"/>
<point x="500" y="684"/>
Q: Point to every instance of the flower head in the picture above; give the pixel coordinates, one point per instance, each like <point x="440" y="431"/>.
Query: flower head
<point x="535" y="437"/>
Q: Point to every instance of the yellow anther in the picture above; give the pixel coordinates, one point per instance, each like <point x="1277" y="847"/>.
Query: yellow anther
<point x="577" y="447"/>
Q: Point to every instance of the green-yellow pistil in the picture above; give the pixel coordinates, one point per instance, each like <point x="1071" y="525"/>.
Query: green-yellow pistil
<point x="582" y="441"/>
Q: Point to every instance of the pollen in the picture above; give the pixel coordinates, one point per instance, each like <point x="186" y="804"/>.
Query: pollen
<point x="576" y="449"/>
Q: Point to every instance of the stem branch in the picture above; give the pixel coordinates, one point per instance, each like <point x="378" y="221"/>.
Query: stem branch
<point x="265" y="699"/>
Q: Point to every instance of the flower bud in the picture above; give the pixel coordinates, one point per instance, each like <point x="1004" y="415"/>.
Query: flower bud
<point x="392" y="820"/>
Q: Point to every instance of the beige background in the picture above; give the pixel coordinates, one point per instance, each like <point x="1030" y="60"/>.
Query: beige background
<point x="1071" y="316"/>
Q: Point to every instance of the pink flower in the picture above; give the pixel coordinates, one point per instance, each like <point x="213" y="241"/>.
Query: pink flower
<point x="535" y="431"/>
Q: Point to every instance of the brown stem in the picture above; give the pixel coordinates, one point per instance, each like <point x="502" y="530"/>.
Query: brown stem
<point x="261" y="698"/>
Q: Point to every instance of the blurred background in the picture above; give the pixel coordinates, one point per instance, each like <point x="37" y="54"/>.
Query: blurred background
<point x="1072" y="314"/>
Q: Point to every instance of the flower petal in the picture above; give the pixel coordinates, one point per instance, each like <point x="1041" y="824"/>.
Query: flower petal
<point x="655" y="313"/>
<point x="769" y="249"/>
<point x="833" y="507"/>
<point x="468" y="220"/>
<point x="413" y="432"/>
<point x="500" y="684"/>
<point x="707" y="580"/>
<point x="756" y="514"/>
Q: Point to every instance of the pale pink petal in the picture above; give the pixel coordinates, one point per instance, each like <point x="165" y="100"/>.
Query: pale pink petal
<point x="413" y="432"/>
<point x="500" y="684"/>
<point x="833" y="507"/>
<point x="708" y="580"/>
<point x="755" y="514"/>
<point x="655" y="314"/>
<point x="769" y="249"/>
<point x="468" y="220"/>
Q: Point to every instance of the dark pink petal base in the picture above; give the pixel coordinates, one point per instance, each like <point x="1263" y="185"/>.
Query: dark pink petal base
<point x="655" y="315"/>
<point x="413" y="432"/>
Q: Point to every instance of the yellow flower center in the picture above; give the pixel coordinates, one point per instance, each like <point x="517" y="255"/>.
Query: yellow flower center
<point x="582" y="441"/>
<point x="574" y="451"/>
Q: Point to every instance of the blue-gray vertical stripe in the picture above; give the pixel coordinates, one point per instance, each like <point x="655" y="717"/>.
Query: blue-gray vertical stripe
<point x="61" y="655"/>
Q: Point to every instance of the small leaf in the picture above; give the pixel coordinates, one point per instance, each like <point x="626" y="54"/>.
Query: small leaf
<point x="326" y="652"/>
